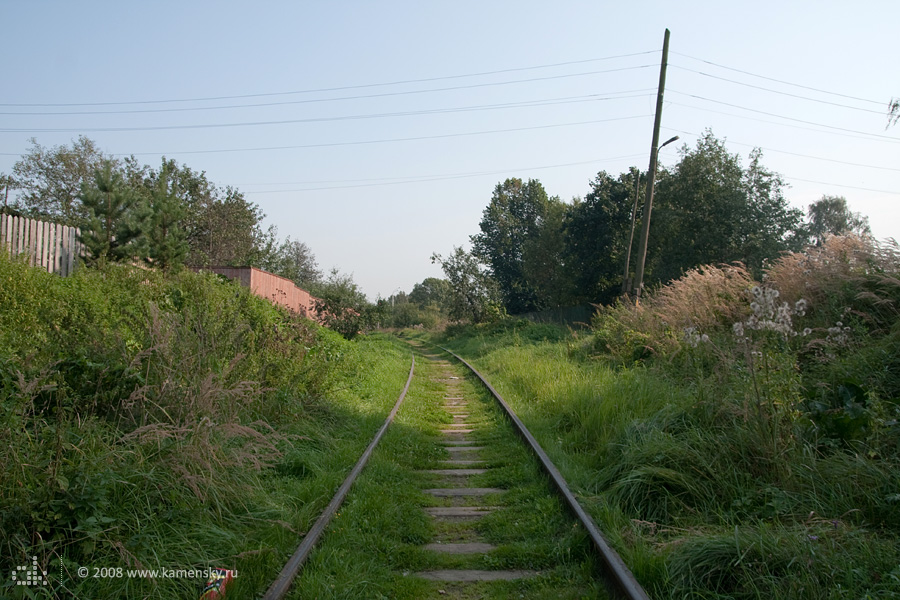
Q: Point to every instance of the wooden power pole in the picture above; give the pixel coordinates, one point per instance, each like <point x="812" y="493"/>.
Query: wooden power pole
<point x="651" y="174"/>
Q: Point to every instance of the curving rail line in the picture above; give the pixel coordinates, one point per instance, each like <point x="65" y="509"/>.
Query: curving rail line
<point x="622" y="581"/>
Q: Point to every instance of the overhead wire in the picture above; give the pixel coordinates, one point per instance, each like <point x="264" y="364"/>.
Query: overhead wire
<point x="505" y="105"/>
<point x="759" y="87"/>
<point x="284" y="103"/>
<point x="338" y="88"/>
<point x="855" y="134"/>
<point x="841" y="185"/>
<point x="770" y="114"/>
<point x="425" y="179"/>
<point x="533" y="103"/>
<point x="387" y="140"/>
<point x="822" y="158"/>
<point x="791" y="83"/>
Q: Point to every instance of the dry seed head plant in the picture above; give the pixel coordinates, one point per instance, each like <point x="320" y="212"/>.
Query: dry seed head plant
<point x="820" y="271"/>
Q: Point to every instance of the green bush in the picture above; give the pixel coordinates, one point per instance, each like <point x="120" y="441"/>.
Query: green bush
<point x="139" y="412"/>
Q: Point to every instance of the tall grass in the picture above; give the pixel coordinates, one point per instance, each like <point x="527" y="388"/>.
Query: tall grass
<point x="151" y="420"/>
<point x="724" y="461"/>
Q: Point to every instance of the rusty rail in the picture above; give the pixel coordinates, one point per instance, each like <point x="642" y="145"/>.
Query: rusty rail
<point x="622" y="579"/>
<point x="282" y="583"/>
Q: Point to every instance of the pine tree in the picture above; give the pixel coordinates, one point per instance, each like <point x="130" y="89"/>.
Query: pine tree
<point x="166" y="238"/>
<point x="116" y="217"/>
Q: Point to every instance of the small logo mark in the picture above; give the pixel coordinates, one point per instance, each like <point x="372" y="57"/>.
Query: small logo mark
<point x="30" y="574"/>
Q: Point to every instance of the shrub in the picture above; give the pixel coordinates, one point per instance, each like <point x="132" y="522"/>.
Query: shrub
<point x="128" y="396"/>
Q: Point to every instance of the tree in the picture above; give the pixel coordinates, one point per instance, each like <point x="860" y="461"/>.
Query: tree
<point x="699" y="211"/>
<point x="513" y="216"/>
<point x="166" y="239"/>
<point x="711" y="210"/>
<point x="221" y="227"/>
<point x="893" y="111"/>
<point x="597" y="233"/>
<point x="543" y="258"/>
<point x="295" y="260"/>
<point x="115" y="217"/>
<point x="770" y="225"/>
<point x="342" y="306"/>
<point x="830" y="215"/>
<point x="51" y="179"/>
<point x="432" y="292"/>
<point x="474" y="295"/>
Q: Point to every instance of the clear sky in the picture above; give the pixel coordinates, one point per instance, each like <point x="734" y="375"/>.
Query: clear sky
<point x="375" y="132"/>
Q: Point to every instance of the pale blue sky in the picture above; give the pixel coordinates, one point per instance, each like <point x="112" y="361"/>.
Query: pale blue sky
<point x="331" y="180"/>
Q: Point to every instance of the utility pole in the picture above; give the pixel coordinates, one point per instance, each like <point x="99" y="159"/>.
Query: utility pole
<point x="651" y="174"/>
<point x="637" y="182"/>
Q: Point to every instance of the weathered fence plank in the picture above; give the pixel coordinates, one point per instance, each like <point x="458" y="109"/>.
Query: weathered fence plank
<point x="47" y="245"/>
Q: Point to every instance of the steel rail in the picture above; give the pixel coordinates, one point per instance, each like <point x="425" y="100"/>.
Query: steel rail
<point x="623" y="579"/>
<point x="282" y="583"/>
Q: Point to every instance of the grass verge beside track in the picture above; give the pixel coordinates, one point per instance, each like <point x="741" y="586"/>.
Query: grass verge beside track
<point x="679" y="485"/>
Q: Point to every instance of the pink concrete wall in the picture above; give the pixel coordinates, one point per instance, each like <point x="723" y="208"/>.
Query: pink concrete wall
<point x="279" y="290"/>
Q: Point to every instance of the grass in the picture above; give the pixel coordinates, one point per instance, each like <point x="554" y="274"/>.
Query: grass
<point x="377" y="542"/>
<point x="153" y="421"/>
<point x="690" y="491"/>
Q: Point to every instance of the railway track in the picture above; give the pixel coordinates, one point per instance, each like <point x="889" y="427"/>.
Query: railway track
<point x="460" y="502"/>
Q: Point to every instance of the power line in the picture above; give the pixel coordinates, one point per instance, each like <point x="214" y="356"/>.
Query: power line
<point x="840" y="185"/>
<point x="336" y="89"/>
<point x="758" y="120"/>
<point x="382" y="141"/>
<point x="429" y="178"/>
<point x="759" y="87"/>
<point x="805" y="87"/>
<point x="832" y="160"/>
<point x="862" y="134"/>
<point x="506" y="105"/>
<point x="293" y="102"/>
<point x="545" y="102"/>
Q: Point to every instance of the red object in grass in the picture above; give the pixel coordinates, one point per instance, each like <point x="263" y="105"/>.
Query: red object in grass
<point x="216" y="584"/>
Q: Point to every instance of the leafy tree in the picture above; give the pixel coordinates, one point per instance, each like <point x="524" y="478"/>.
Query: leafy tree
<point x="830" y="215"/>
<point x="342" y="306"/>
<point x="543" y="258"/>
<point x="432" y="292"/>
<point x="295" y="260"/>
<point x="699" y="210"/>
<point x="233" y="235"/>
<point x="711" y="210"/>
<point x="770" y="225"/>
<point x="474" y="295"/>
<point x="51" y="179"/>
<point x="513" y="216"/>
<point x="597" y="231"/>
<point x="115" y="217"/>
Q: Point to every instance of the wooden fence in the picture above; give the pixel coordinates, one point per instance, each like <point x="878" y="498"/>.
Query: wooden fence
<point x="49" y="245"/>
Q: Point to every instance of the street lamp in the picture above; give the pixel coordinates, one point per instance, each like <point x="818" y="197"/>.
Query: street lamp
<point x="648" y="206"/>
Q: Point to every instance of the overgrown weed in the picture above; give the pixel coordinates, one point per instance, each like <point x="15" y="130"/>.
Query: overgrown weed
<point x="142" y="415"/>
<point x="758" y="457"/>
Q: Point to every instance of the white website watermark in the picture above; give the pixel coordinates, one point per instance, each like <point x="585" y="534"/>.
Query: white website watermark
<point x="160" y="573"/>
<point x="30" y="574"/>
<point x="33" y="575"/>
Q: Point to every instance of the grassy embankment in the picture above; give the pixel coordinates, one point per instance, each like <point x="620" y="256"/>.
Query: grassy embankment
<point x="151" y="421"/>
<point x="759" y="460"/>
